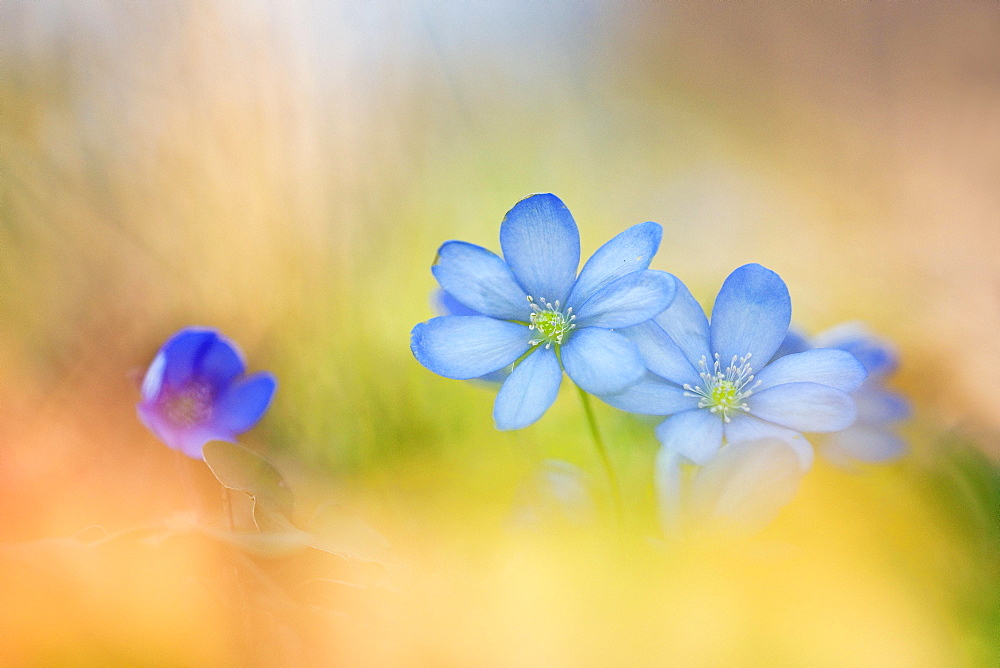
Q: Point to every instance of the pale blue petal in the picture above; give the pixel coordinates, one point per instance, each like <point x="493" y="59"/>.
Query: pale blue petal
<point x="629" y="251"/>
<point x="651" y="395"/>
<point x="880" y="406"/>
<point x="481" y="281"/>
<point x="751" y="315"/>
<point x="445" y="304"/>
<point x="661" y="355"/>
<point x="877" y="354"/>
<point x="696" y="434"/>
<point x="826" y="366"/>
<point x="541" y="244"/>
<point x="600" y="361"/>
<point x="243" y="404"/>
<point x="495" y="378"/>
<point x="745" y="428"/>
<point x="153" y="381"/>
<point x="863" y="444"/>
<point x="804" y="407"/>
<point x="795" y="342"/>
<point x="685" y="322"/>
<point x="746" y="484"/>
<point x="529" y="391"/>
<point x="466" y="347"/>
<point x="629" y="300"/>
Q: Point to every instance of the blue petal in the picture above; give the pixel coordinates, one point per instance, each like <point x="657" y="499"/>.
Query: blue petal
<point x="751" y="315"/>
<point x="795" y="342"/>
<point x="197" y="353"/>
<point x="804" y="407"/>
<point x="466" y="347"/>
<point x="685" y="322"/>
<point x="878" y="355"/>
<point x="601" y="361"/>
<point x="220" y="362"/>
<point x="541" y="244"/>
<point x="745" y="428"/>
<point x="183" y="353"/>
<point x="629" y="251"/>
<point x="629" y="300"/>
<point x="651" y="395"/>
<point x="696" y="434"/>
<point x="481" y="281"/>
<point x="826" y="366"/>
<point x="445" y="304"/>
<point x="863" y="444"/>
<point x="877" y="405"/>
<point x="661" y="355"/>
<point x="529" y="391"/>
<point x="243" y="404"/>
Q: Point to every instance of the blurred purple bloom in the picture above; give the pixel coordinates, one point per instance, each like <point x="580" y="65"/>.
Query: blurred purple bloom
<point x="872" y="438"/>
<point x="195" y="392"/>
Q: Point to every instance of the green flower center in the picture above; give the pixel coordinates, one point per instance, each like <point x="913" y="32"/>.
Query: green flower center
<point x="551" y="323"/>
<point x="724" y="392"/>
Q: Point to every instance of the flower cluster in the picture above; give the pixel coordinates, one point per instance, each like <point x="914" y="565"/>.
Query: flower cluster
<point x="729" y="386"/>
<point x="738" y="391"/>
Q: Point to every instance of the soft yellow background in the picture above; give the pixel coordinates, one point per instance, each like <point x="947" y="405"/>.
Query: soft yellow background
<point x="286" y="171"/>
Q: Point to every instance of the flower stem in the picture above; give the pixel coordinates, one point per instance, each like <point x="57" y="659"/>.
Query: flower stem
<point x="602" y="452"/>
<point x="229" y="508"/>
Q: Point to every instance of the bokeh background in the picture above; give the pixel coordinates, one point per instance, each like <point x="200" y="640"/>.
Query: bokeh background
<point x="286" y="171"/>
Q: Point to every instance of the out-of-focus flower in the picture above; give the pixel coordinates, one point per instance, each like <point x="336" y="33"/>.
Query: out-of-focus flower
<point x="741" y="489"/>
<point x="195" y="392"/>
<point x="559" y="492"/>
<point x="538" y="315"/>
<point x="872" y="438"/>
<point x="715" y="381"/>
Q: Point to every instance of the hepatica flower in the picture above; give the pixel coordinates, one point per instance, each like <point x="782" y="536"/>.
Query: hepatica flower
<point x="530" y="311"/>
<point x="714" y="379"/>
<point x="195" y="391"/>
<point x="872" y="438"/>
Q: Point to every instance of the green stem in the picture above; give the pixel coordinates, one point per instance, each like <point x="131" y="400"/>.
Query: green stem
<point x="602" y="451"/>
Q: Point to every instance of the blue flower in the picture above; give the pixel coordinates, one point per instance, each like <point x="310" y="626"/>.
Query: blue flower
<point x="715" y="381"/>
<point x="195" y="392"/>
<point x="533" y="309"/>
<point x="872" y="438"/>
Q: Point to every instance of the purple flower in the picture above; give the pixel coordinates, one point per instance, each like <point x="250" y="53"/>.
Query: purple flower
<point x="195" y="392"/>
